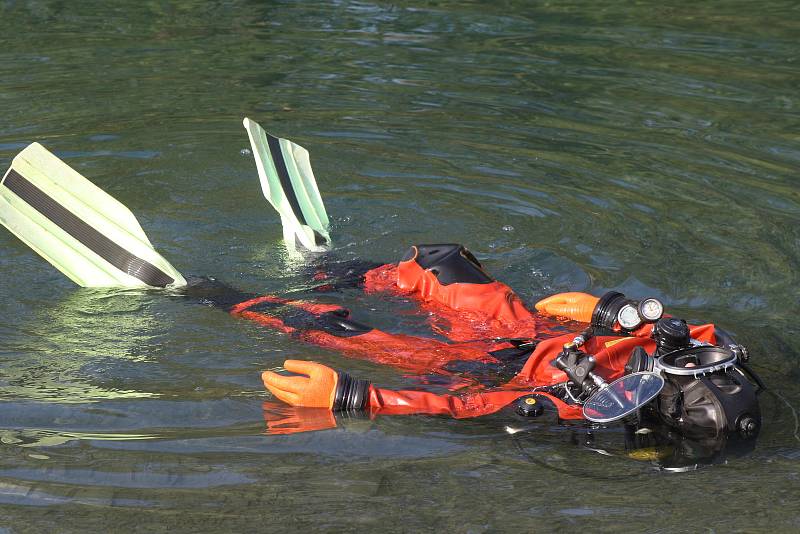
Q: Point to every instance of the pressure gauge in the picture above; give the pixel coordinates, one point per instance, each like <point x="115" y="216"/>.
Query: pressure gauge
<point x="628" y="317"/>
<point x="651" y="310"/>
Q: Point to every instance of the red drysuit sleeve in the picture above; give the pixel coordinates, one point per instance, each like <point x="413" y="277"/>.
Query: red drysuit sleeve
<point x="388" y="402"/>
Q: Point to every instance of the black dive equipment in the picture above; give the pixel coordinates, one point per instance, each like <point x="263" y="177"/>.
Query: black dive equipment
<point x="604" y="402"/>
<point x="671" y="334"/>
<point x="351" y="394"/>
<point x="686" y="404"/>
<point x="614" y="308"/>
<point x="701" y="390"/>
<point x="579" y="367"/>
<point x="628" y="317"/>
<point x="709" y="390"/>
<point x="650" y="309"/>
<point x="607" y="308"/>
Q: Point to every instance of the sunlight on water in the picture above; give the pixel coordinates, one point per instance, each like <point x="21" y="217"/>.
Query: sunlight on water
<point x="572" y="146"/>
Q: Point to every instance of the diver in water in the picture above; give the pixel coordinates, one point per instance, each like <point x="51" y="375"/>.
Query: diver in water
<point x="695" y="376"/>
<point x="630" y="363"/>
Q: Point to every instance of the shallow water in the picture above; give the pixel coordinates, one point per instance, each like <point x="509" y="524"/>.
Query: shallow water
<point x="580" y="146"/>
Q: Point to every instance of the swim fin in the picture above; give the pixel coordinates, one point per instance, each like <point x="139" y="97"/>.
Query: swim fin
<point x="289" y="185"/>
<point x="79" y="228"/>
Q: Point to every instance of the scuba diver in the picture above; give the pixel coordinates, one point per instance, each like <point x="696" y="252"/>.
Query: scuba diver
<point x="630" y="363"/>
<point x="695" y="376"/>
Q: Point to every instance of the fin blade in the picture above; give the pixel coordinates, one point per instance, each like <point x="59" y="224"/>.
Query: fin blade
<point x="47" y="172"/>
<point x="288" y="183"/>
<point x="298" y="163"/>
<point x="77" y="227"/>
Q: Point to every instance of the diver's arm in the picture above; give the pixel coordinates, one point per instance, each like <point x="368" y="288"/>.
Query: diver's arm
<point x="389" y="402"/>
<point x="319" y="386"/>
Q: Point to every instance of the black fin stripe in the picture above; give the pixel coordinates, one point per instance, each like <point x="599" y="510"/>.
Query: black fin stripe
<point x="85" y="234"/>
<point x="283" y="176"/>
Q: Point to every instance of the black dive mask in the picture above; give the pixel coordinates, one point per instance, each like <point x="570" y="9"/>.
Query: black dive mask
<point x="707" y="392"/>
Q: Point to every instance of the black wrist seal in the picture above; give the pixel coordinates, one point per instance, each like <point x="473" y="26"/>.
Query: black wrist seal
<point x="607" y="308"/>
<point x="351" y="394"/>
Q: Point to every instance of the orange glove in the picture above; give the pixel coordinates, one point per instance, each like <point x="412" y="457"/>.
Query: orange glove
<point x="573" y="305"/>
<point x="322" y="387"/>
<point x="316" y="390"/>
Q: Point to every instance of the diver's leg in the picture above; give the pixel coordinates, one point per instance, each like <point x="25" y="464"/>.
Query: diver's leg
<point x="211" y="292"/>
<point x="330" y="326"/>
<point x="329" y="273"/>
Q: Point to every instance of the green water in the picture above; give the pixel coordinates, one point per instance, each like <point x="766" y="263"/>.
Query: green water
<point x="570" y="145"/>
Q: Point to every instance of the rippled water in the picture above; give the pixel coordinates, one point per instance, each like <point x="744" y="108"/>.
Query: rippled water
<point x="584" y="146"/>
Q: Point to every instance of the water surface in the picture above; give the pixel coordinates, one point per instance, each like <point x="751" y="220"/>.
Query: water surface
<point x="571" y="145"/>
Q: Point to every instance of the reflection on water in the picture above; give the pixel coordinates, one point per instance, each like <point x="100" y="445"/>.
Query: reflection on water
<point x="648" y="148"/>
<point x="82" y="339"/>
